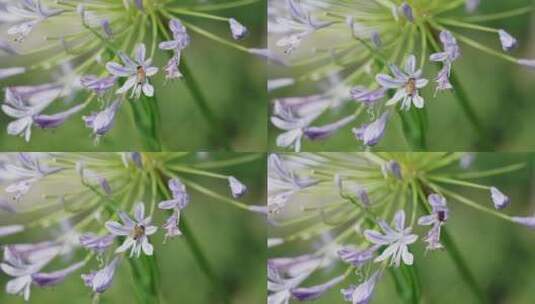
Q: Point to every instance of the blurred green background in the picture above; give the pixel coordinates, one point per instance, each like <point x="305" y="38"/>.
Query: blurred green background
<point x="499" y="254"/>
<point x="233" y="83"/>
<point x="233" y="241"/>
<point x="501" y="93"/>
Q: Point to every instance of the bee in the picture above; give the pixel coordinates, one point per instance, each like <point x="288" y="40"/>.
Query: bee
<point x="139" y="231"/>
<point x="441" y="215"/>
<point x="141" y="76"/>
<point x="410" y="87"/>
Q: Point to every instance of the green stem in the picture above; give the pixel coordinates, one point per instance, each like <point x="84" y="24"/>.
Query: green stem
<point x="413" y="124"/>
<point x="462" y="267"/>
<point x="145" y="112"/>
<point x="202" y="261"/>
<point x="470" y="113"/>
<point x="215" y="124"/>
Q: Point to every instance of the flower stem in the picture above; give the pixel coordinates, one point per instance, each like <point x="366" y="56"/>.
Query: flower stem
<point x="146" y="115"/>
<point x="414" y="128"/>
<point x="462" y="267"/>
<point x="216" y="125"/>
<point x="464" y="102"/>
<point x="202" y="261"/>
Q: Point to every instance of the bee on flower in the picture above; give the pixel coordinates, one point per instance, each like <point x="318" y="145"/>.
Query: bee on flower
<point x="97" y="56"/>
<point x="355" y="217"/>
<point x="110" y="209"/>
<point x="359" y="64"/>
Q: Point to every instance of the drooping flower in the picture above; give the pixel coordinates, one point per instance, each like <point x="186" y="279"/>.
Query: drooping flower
<point x="102" y="122"/>
<point x="100" y="281"/>
<point x="396" y="239"/>
<point x="318" y="133"/>
<point x="136" y="231"/>
<point x="357" y="257"/>
<point x="407" y="84"/>
<point x="371" y="134"/>
<point x="361" y="294"/>
<point x="136" y="71"/>
<point x="181" y="40"/>
<point x="366" y="96"/>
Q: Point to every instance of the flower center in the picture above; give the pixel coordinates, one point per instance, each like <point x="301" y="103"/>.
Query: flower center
<point x="410" y="87"/>
<point x="139" y="231"/>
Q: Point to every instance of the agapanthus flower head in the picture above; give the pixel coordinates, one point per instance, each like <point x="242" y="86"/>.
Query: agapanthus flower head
<point x="98" y="49"/>
<point x="96" y="200"/>
<point x="375" y="52"/>
<point x="409" y="200"/>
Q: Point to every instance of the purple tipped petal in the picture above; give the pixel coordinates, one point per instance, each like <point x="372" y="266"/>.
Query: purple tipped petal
<point x="362" y="293"/>
<point x="316" y="133"/>
<point x="236" y="187"/>
<point x="96" y="243"/>
<point x="56" y="120"/>
<point x="499" y="199"/>
<point x="528" y="221"/>
<point x="406" y="9"/>
<point x="508" y="42"/>
<point x="314" y="292"/>
<point x="238" y="30"/>
<point x="366" y="96"/>
<point x="52" y="278"/>
<point x="371" y="134"/>
<point x="11" y="229"/>
<point x="101" y="280"/>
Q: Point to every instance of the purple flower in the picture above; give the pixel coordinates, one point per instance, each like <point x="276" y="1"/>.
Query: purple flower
<point x="26" y="170"/>
<point x="180" y="196"/>
<point x="438" y="216"/>
<point x="24" y="103"/>
<point x="362" y="293"/>
<point x="314" y="292"/>
<point x="279" y="287"/>
<point x="447" y="57"/>
<point x="396" y="239"/>
<point x="407" y="83"/>
<point x="30" y="13"/>
<point x="236" y="187"/>
<point x="137" y="72"/>
<point x="181" y="38"/>
<point x="106" y="27"/>
<point x="96" y="243"/>
<point x="136" y="231"/>
<point x="171" y="225"/>
<point x="237" y="29"/>
<point x="98" y="85"/>
<point x="528" y="221"/>
<point x="467" y="159"/>
<point x="101" y="280"/>
<point x="357" y="257"/>
<point x="527" y="62"/>
<point x="289" y="119"/>
<point x="371" y="134"/>
<point x="26" y="271"/>
<point x="499" y="199"/>
<point x="102" y="122"/>
<point x="392" y="167"/>
<point x="316" y="133"/>
<point x="180" y="41"/>
<point x="179" y="201"/>
<point x="472" y="5"/>
<point x="406" y="9"/>
<point x="366" y="96"/>
<point x="508" y="42"/>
